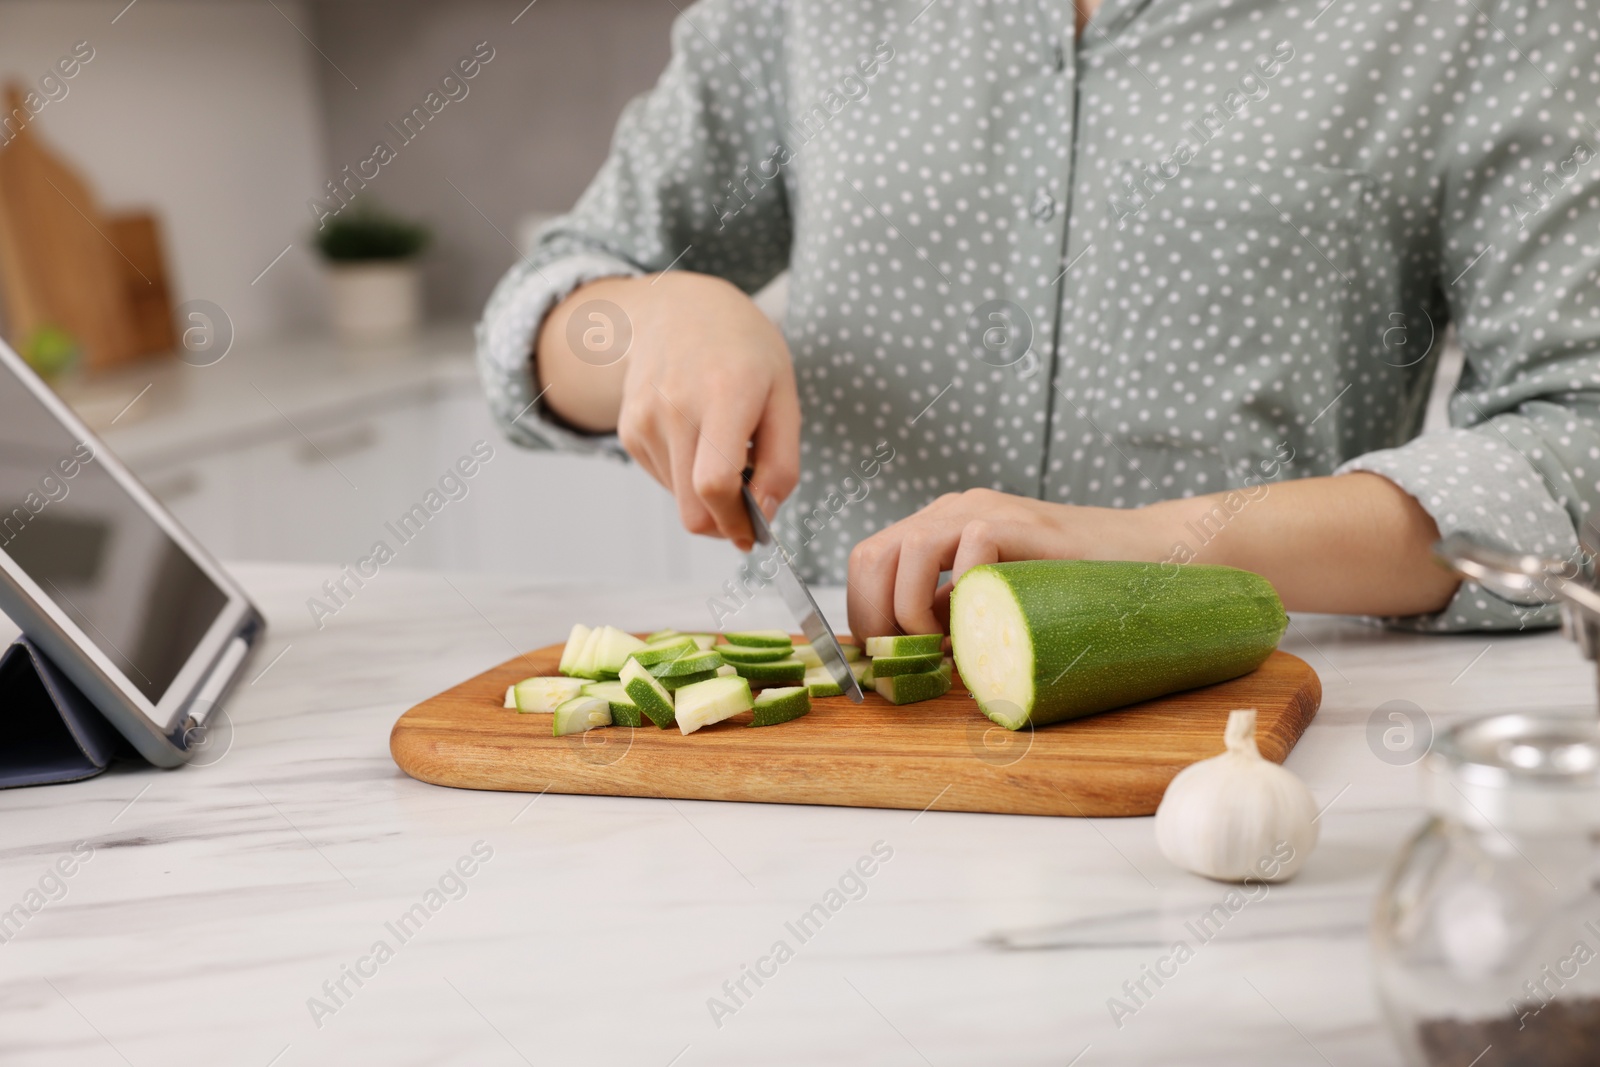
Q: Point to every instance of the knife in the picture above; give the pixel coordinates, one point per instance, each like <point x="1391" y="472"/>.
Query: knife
<point x="801" y="603"/>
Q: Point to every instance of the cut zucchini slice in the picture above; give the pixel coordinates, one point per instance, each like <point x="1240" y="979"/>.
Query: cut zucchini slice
<point x="647" y="694"/>
<point x="773" y="706"/>
<point x="580" y="714"/>
<point x="661" y="651"/>
<point x="821" y="684"/>
<point x="624" y="712"/>
<point x="760" y="639"/>
<point x="741" y="654"/>
<point x="807" y="655"/>
<point x="705" y="641"/>
<point x="544" y="694"/>
<point x="778" y="672"/>
<point x="582" y="665"/>
<point x="893" y="666"/>
<point x="726" y="671"/>
<point x="575" y="641"/>
<point x="677" y="682"/>
<point x="910" y="688"/>
<point x="696" y="662"/>
<point x="511" y="696"/>
<point x="905" y="645"/>
<point x="711" y="701"/>
<point x="613" y="651"/>
<point x="862" y="669"/>
<point x="851" y="652"/>
<point x="660" y="635"/>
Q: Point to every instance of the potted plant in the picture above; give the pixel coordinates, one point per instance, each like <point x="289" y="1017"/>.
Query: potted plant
<point x="377" y="288"/>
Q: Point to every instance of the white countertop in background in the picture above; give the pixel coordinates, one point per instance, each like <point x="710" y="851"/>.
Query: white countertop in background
<point x="219" y="899"/>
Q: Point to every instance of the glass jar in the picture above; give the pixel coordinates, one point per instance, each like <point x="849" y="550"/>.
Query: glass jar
<point x="1487" y="933"/>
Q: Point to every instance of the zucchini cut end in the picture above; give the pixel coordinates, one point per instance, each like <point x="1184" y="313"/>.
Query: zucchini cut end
<point x="993" y="648"/>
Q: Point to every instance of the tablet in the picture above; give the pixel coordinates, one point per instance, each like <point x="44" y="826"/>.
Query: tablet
<point x="106" y="582"/>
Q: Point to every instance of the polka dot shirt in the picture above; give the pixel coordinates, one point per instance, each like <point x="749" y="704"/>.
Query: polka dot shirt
<point x="1201" y="246"/>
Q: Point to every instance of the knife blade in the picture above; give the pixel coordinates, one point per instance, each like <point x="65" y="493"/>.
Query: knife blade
<point x="800" y="601"/>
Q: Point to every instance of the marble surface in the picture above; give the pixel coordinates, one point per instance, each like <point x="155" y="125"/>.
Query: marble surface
<point x="218" y="900"/>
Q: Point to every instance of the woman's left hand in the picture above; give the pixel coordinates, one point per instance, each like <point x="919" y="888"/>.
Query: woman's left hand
<point x="894" y="574"/>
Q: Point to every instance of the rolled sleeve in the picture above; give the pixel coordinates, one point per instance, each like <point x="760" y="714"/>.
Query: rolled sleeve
<point x="1480" y="485"/>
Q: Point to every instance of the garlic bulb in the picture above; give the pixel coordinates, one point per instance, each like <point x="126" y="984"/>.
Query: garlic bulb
<point x="1237" y="817"/>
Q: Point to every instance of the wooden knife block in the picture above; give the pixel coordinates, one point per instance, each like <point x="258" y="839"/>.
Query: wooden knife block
<point x="64" y="262"/>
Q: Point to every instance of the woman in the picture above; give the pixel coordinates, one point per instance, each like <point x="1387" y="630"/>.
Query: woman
<point x="1158" y="282"/>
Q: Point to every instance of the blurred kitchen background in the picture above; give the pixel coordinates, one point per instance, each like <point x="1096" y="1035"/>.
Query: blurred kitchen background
<point x="155" y="172"/>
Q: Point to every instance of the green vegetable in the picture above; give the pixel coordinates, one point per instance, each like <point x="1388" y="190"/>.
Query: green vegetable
<point x="890" y="666"/>
<point x="851" y="652"/>
<point x="574" y="646"/>
<point x="908" y="645"/>
<point x="1047" y="640"/>
<point x="711" y="701"/>
<point x="649" y="695"/>
<point x="705" y="641"/>
<point x="779" y="672"/>
<point x="761" y="639"/>
<point x="544" y="694"/>
<point x="862" y="669"/>
<point x="580" y="714"/>
<point x="624" y="712"/>
<point x="807" y="655"/>
<point x="696" y="662"/>
<point x="582" y="665"/>
<point x="741" y="654"/>
<point x="821" y="684"/>
<point x="679" y="681"/>
<point x="613" y="650"/>
<point x="910" y="688"/>
<point x="773" y="706"/>
<point x="660" y="635"/>
<point x="668" y="649"/>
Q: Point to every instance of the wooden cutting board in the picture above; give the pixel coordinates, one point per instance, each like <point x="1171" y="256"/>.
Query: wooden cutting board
<point x="939" y="754"/>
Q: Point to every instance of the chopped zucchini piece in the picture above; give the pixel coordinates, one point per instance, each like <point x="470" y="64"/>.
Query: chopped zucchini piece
<point x="677" y="682"/>
<point x="892" y="666"/>
<point x="575" y="642"/>
<point x="821" y="684"/>
<point x="851" y="652"/>
<point x="511" y="697"/>
<point x="661" y="651"/>
<point x="583" y="663"/>
<point x="694" y="662"/>
<point x="905" y="645"/>
<point x="705" y="641"/>
<point x="862" y="669"/>
<point x="779" y="672"/>
<point x="624" y="712"/>
<point x="726" y="671"/>
<point x="613" y="651"/>
<point x="741" y="654"/>
<point x="773" y="706"/>
<point x="544" y="694"/>
<point x="760" y="639"/>
<point x="910" y="688"/>
<point x="807" y="655"/>
<point x="660" y="635"/>
<point x="647" y="694"/>
<point x="580" y="714"/>
<point x="711" y="701"/>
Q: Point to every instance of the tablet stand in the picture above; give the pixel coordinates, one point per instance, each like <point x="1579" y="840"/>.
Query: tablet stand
<point x="49" y="732"/>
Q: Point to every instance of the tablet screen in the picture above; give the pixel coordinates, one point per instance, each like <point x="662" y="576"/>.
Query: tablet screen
<point x="105" y="563"/>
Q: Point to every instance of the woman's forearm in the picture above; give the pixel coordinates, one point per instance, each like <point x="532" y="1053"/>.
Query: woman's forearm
<point x="575" y="354"/>
<point x="1351" y="544"/>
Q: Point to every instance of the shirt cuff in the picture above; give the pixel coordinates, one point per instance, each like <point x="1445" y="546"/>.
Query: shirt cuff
<point x="505" y="337"/>
<point x="1473" y="484"/>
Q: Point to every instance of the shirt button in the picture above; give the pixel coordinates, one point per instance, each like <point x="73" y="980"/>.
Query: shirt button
<point x="1044" y="206"/>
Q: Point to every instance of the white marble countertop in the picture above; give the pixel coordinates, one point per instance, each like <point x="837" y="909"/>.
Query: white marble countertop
<point x="219" y="899"/>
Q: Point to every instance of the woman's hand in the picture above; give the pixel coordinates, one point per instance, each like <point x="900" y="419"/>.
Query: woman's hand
<point x="1353" y="544"/>
<point x="704" y="377"/>
<point x="894" y="574"/>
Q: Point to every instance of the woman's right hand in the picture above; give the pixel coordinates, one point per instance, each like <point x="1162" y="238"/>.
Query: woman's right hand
<point x="694" y="379"/>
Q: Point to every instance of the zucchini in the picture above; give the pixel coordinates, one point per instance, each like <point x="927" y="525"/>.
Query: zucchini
<point x="679" y="681"/>
<point x="660" y="635"/>
<point x="711" y="701"/>
<point x="647" y="694"/>
<point x="582" y="665"/>
<point x="661" y="651"/>
<point x="907" y="645"/>
<point x="778" y="672"/>
<point x="741" y="654"/>
<point x="726" y="671"/>
<point x="807" y="655"/>
<point x="696" y="662"/>
<point x="705" y="641"/>
<point x="613" y="651"/>
<point x="624" y="712"/>
<point x="511" y="696"/>
<point x="1043" y="641"/>
<point x="544" y="694"/>
<point x="773" y="706"/>
<point x="575" y="641"/>
<point x="760" y="639"/>
<point x="910" y="688"/>
<point x="862" y="669"/>
<point x="821" y="684"/>
<point x="891" y="666"/>
<point x="851" y="652"/>
<point x="580" y="714"/>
